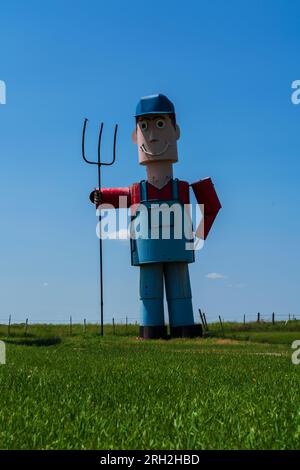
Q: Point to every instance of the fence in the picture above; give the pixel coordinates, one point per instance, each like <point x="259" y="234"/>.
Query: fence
<point x="10" y="326"/>
<point x="123" y="324"/>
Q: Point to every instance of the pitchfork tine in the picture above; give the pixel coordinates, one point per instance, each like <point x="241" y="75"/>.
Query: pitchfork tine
<point x="115" y="142"/>
<point x="83" y="144"/>
<point x="99" y="163"/>
<point x="114" y="151"/>
<point x="99" y="143"/>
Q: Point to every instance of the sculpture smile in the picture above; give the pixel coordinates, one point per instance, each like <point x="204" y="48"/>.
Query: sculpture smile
<point x="154" y="154"/>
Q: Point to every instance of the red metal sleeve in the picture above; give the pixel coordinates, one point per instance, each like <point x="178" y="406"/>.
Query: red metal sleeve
<point x="112" y="196"/>
<point x="205" y="193"/>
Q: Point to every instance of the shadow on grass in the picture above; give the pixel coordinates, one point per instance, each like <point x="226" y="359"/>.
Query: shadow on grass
<point x="35" y="342"/>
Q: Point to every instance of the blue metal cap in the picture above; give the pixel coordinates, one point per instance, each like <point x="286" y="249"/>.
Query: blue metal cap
<point x="154" y="104"/>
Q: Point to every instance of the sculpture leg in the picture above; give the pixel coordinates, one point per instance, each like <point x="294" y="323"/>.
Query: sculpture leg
<point x="179" y="298"/>
<point x="152" y="302"/>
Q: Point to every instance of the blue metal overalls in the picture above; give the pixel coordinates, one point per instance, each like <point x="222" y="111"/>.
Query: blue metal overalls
<point x="162" y="259"/>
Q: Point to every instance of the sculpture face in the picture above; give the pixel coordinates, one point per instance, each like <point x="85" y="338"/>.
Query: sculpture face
<point x="156" y="138"/>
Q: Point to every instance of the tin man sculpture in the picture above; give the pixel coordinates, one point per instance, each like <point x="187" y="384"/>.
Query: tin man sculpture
<point x="163" y="261"/>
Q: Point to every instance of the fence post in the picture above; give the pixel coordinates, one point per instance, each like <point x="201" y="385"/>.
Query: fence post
<point x="26" y="326"/>
<point x="202" y="320"/>
<point x="8" y="328"/>
<point x="258" y="317"/>
<point x="221" y="324"/>
<point x="70" y="325"/>
<point x="206" y="325"/>
<point x="113" y="322"/>
<point x="273" y="318"/>
<point x="84" y="326"/>
<point x="126" y="322"/>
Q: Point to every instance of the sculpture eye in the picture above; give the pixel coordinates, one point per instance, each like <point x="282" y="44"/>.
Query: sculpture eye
<point x="144" y="125"/>
<point x="160" y="123"/>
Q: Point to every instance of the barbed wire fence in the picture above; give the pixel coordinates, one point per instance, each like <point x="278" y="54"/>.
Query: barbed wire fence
<point x="247" y="319"/>
<point x="122" y="323"/>
<point x="70" y="326"/>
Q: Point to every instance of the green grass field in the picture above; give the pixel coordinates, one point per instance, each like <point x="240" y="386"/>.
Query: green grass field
<point x="238" y="391"/>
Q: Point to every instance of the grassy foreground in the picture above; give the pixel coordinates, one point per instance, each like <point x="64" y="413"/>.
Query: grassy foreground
<point x="86" y="392"/>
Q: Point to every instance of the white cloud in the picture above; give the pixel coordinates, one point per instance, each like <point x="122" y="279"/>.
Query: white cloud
<point x="45" y="284"/>
<point x="215" y="276"/>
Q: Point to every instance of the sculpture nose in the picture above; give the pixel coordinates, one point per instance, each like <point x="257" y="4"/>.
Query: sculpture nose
<point x="152" y="135"/>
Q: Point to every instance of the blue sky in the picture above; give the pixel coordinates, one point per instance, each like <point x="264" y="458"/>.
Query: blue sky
<point x="228" y="67"/>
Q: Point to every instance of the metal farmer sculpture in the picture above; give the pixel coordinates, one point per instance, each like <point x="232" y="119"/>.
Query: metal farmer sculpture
<point x="161" y="261"/>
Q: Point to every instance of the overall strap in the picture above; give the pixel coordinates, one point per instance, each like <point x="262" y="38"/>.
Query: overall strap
<point x="143" y="191"/>
<point x="175" y="190"/>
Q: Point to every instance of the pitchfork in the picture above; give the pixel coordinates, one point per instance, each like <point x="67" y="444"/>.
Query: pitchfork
<point x="99" y="164"/>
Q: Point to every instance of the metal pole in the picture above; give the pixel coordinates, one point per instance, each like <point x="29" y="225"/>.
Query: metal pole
<point x="221" y="324"/>
<point x="9" y="322"/>
<point x="206" y="325"/>
<point x="100" y="245"/>
<point x="202" y="320"/>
